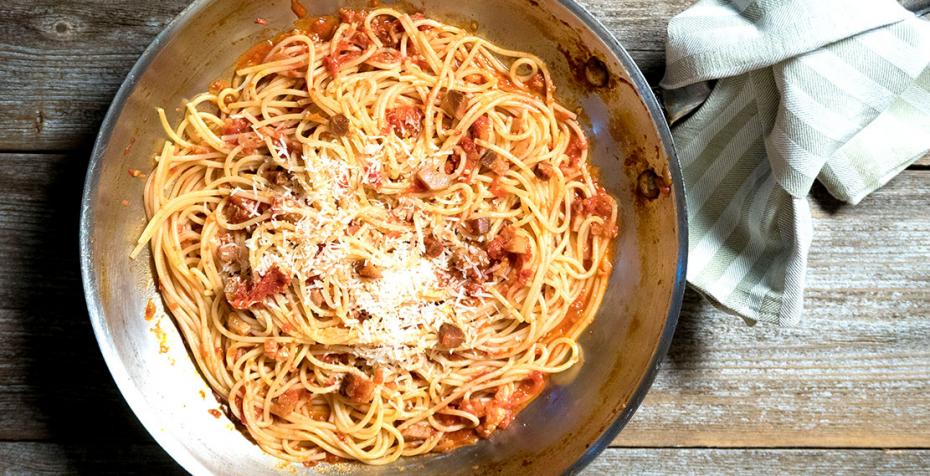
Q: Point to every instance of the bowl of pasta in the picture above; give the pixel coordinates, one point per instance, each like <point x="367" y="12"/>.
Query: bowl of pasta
<point x="432" y="236"/>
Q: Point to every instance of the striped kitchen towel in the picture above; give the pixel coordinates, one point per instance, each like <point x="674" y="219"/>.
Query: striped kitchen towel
<point x="780" y="93"/>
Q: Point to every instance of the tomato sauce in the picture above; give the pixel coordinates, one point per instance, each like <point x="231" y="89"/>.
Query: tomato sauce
<point x="348" y="15"/>
<point x="455" y="439"/>
<point x="319" y="28"/>
<point x="387" y="29"/>
<point x="235" y="126"/>
<point x="328" y="459"/>
<point x="218" y="85"/>
<point x="526" y="391"/>
<point x="389" y="55"/>
<point x="255" y="55"/>
<point x="472" y="156"/>
<point x="537" y="84"/>
<point x="532" y="87"/>
<point x="149" y="310"/>
<point x="334" y="62"/>
<point x="571" y="318"/>
<point x="298" y="9"/>
<point x="601" y="205"/>
<point x="497" y="189"/>
<point x="406" y="121"/>
<point x="247" y="294"/>
<point x="575" y="147"/>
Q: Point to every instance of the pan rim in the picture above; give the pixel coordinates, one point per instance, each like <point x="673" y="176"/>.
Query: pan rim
<point x="665" y="135"/>
<point x="173" y="446"/>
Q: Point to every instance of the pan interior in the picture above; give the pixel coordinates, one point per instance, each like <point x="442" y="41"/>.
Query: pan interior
<point x="621" y="347"/>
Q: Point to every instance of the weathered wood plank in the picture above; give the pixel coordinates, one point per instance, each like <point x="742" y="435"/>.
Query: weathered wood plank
<point x="857" y="375"/>
<point x="647" y="461"/>
<point x="53" y="381"/>
<point x="64" y="60"/>
<point x="54" y="458"/>
<point x="638" y="24"/>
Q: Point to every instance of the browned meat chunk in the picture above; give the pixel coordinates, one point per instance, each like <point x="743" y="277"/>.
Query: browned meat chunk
<point x="479" y="226"/>
<point x="649" y="184"/>
<point x="232" y="248"/>
<point x="280" y="177"/>
<point x="358" y="389"/>
<point x="316" y="296"/>
<point x="495" y="247"/>
<point x="471" y="264"/>
<point x="605" y="231"/>
<point x="388" y="29"/>
<point x="455" y="104"/>
<point x="496" y="416"/>
<point x="481" y="128"/>
<point x="432" y="179"/>
<point x="274" y="351"/>
<point x="285" y="209"/>
<point x="419" y="431"/>
<point x="434" y="246"/>
<point x="450" y="336"/>
<point x="368" y="270"/>
<point x="241" y="209"/>
<point x="271" y="348"/>
<point x="235" y="126"/>
<point x="497" y="164"/>
<point x="544" y="170"/>
<point x="339" y="125"/>
<point x="285" y="403"/>
<point x="601" y="204"/>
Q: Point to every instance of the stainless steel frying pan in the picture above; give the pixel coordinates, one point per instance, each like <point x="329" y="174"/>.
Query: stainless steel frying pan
<point x="574" y="419"/>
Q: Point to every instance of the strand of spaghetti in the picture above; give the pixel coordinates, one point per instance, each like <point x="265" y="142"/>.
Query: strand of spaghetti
<point x="169" y="131"/>
<point x="172" y="206"/>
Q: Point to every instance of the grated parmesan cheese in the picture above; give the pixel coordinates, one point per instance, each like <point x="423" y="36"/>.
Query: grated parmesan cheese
<point x="404" y="308"/>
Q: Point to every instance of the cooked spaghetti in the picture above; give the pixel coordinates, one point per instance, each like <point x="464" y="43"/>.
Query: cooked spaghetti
<point x="380" y="238"/>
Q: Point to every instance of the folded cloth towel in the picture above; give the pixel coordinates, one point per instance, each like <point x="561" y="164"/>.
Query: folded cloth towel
<point x="784" y="92"/>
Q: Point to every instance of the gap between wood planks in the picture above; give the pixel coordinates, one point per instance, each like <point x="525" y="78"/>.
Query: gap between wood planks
<point x="52" y="458"/>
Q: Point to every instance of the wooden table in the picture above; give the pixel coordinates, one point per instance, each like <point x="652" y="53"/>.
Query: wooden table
<point x="847" y="392"/>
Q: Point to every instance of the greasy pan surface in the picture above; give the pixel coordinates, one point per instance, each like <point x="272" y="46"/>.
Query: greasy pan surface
<point x="575" y="418"/>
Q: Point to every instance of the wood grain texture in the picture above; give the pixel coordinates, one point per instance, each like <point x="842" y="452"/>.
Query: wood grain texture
<point x="23" y="458"/>
<point x="54" y="458"/>
<point x="856" y="374"/>
<point x="64" y="60"/>
<point x="649" y="461"/>
<point x="53" y="382"/>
